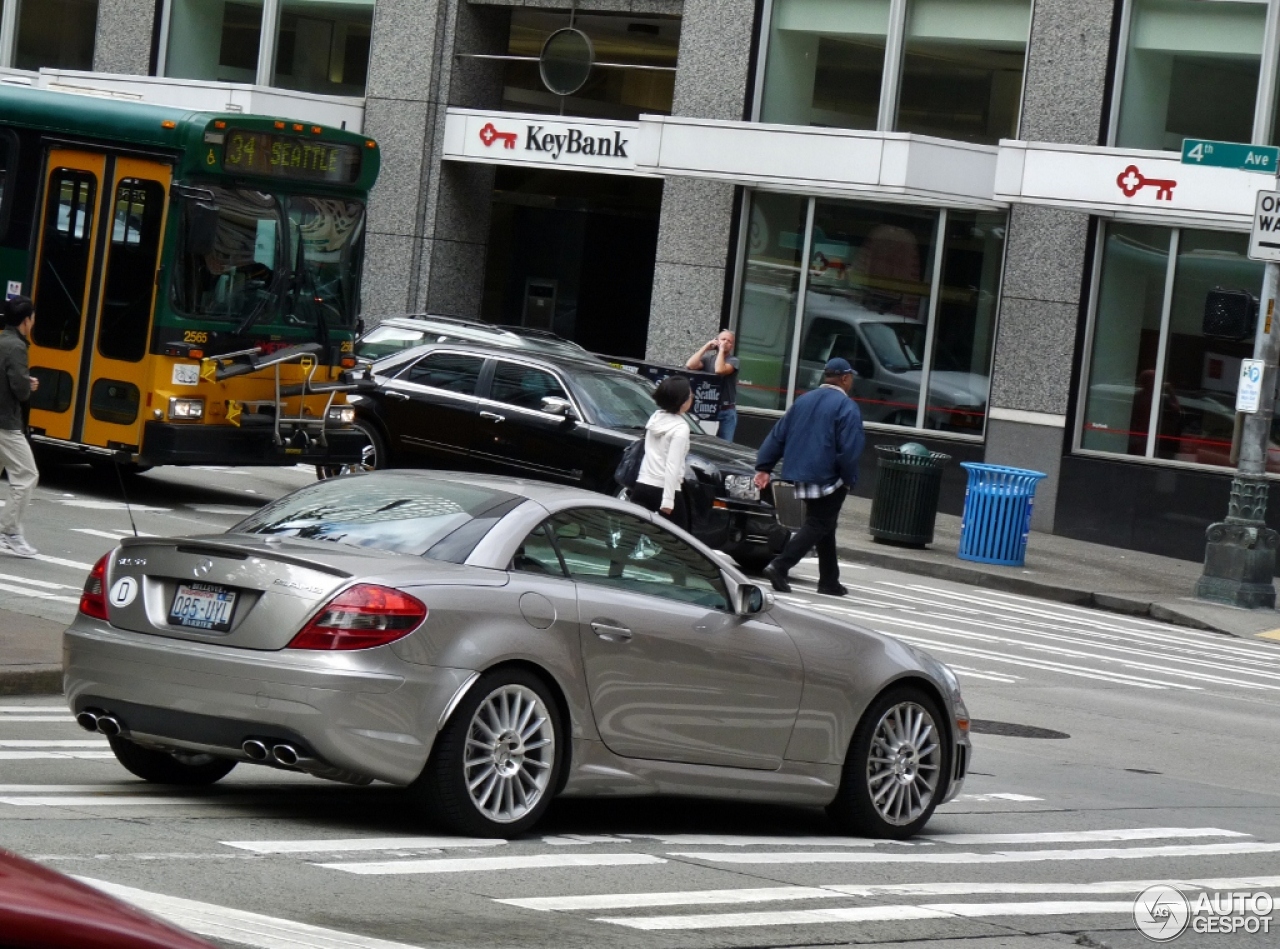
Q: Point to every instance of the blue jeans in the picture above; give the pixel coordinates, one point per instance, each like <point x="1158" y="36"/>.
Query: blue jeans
<point x="728" y="419"/>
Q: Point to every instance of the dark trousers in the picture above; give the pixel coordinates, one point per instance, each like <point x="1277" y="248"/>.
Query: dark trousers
<point x="647" y="496"/>
<point x="819" y="530"/>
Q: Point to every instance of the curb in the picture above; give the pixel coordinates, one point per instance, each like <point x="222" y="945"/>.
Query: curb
<point x="31" y="680"/>
<point x="955" y="572"/>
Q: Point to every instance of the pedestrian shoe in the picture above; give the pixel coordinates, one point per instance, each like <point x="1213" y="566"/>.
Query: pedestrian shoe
<point x="778" y="578"/>
<point x="17" y="545"/>
<point x="833" y="589"/>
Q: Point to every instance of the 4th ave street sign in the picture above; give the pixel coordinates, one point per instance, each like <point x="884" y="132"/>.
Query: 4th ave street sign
<point x="1261" y="158"/>
<point x="1264" y="237"/>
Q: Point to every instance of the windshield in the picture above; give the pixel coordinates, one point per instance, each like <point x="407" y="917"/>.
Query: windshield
<point x="895" y="344"/>
<point x="408" y="515"/>
<point x="618" y="400"/>
<point x="238" y="261"/>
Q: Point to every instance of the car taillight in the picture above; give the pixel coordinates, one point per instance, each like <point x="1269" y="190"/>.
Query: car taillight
<point x="362" y="617"/>
<point x="93" y="601"/>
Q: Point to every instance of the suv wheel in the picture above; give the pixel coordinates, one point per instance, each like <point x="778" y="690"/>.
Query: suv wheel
<point x="373" y="454"/>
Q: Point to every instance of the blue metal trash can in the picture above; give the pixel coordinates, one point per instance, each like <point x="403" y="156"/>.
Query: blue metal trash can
<point x="997" y="513"/>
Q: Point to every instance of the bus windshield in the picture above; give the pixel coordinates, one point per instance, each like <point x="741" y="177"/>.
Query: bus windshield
<point x="249" y="257"/>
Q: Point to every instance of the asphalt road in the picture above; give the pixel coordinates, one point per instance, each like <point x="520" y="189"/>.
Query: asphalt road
<point x="1110" y="753"/>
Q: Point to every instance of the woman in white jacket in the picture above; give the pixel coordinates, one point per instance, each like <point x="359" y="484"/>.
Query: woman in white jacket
<point x="666" y="443"/>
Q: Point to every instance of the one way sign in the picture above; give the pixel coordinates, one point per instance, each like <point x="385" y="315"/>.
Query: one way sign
<point x="1264" y="239"/>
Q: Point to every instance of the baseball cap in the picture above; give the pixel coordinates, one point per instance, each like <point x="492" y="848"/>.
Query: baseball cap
<point x="838" y="366"/>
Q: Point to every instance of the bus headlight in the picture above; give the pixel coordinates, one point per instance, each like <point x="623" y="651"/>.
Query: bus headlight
<point x="342" y="415"/>
<point x="186" y="410"/>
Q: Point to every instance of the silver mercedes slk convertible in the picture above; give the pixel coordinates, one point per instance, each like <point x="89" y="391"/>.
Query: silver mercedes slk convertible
<point x="491" y="643"/>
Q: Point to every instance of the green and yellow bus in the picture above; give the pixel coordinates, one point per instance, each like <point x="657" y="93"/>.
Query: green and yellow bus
<point x="196" y="278"/>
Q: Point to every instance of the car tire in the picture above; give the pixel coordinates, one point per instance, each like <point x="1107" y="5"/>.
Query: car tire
<point x="752" y="559"/>
<point x="374" y="454"/>
<point x="482" y="751"/>
<point x="162" y="767"/>
<point x="892" y="795"/>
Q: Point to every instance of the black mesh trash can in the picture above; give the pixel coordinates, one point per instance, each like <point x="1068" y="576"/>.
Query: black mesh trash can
<point x="906" y="502"/>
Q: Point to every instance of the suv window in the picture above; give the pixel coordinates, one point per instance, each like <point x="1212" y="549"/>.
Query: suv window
<point x="452" y="372"/>
<point x="613" y="549"/>
<point x="524" y="386"/>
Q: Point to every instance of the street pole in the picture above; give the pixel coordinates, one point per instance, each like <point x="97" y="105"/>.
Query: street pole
<point x="1240" y="555"/>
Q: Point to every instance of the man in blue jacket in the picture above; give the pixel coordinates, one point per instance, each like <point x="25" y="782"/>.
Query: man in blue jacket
<point x="821" y="438"/>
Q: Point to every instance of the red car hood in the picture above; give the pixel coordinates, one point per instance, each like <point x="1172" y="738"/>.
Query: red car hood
<point x="43" y="909"/>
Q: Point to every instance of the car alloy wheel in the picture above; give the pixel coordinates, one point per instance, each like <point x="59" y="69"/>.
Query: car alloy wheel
<point x="904" y="767"/>
<point x="896" y="771"/>
<point x="373" y="455"/>
<point x="510" y="754"/>
<point x="496" y="762"/>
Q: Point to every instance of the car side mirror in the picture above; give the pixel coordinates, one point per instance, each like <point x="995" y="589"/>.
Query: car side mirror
<point x="555" y="405"/>
<point x="751" y="599"/>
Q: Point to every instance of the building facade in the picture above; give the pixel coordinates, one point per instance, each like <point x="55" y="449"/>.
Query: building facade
<point x="982" y="204"/>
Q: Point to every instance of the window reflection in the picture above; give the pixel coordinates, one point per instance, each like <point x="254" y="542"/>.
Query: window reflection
<point x="55" y="34"/>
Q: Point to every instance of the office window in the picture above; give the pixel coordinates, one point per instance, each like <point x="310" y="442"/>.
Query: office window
<point x="1191" y="70"/>
<point x="872" y="296"/>
<point x="324" y="48"/>
<point x="58" y="34"/>
<point x="960" y="73"/>
<point x="1200" y="317"/>
<point x="210" y="39"/>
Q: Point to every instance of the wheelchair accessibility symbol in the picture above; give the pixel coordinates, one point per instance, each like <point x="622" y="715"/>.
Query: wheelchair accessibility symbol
<point x="1249" y="391"/>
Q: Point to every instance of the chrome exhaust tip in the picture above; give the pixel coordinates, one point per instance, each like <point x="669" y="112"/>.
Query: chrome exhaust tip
<point x="88" y="721"/>
<point x="285" y="754"/>
<point x="108" y="725"/>
<point x="255" y="750"/>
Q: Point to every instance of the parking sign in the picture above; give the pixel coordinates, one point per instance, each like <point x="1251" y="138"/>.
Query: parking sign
<point x="1250" y="389"/>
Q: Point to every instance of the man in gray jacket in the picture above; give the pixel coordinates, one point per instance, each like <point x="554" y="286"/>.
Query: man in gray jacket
<point x="16" y="387"/>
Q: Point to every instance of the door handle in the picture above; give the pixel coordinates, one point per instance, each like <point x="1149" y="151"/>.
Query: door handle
<point x="398" y="396"/>
<point x="610" y="633"/>
<point x="493" y="416"/>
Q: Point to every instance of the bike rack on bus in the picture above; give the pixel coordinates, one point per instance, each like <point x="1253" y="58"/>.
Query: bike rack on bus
<point x="247" y="361"/>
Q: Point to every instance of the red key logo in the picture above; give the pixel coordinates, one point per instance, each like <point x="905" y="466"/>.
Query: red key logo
<point x="1131" y="181"/>
<point x="489" y="135"/>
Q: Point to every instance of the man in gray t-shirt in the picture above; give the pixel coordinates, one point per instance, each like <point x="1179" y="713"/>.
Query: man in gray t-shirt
<point x="717" y="357"/>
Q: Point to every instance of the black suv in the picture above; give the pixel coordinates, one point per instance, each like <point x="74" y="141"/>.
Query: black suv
<point x="559" y="418"/>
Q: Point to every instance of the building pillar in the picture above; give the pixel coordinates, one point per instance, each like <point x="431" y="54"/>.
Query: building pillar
<point x="694" y="257"/>
<point x="428" y="219"/>
<point x="1044" y="287"/>
<point x="122" y="43"/>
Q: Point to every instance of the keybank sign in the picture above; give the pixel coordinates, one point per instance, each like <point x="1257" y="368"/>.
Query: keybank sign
<point x="519" y="139"/>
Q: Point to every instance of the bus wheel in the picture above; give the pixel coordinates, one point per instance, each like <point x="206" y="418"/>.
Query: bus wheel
<point x="373" y="454"/>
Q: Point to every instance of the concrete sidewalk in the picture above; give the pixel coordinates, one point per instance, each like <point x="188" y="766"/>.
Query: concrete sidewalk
<point x="1059" y="568"/>
<point x="30" y="654"/>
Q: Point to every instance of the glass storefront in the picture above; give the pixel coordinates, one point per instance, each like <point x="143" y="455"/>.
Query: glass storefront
<point x="56" y="34"/>
<point x="911" y="316"/>
<point x="1175" y="315"/>
<point x="960" y="74"/>
<point x="320" y="47"/>
<point x="1191" y="70"/>
<point x="634" y="71"/>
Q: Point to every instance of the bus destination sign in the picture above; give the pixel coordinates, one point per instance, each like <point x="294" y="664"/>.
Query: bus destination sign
<point x="288" y="156"/>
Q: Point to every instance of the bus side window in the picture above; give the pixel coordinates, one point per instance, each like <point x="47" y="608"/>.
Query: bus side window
<point x="64" y="258"/>
<point x="131" y="267"/>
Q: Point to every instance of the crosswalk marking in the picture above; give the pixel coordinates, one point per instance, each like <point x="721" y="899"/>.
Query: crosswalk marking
<point x="868" y="914"/>
<point x="54" y="755"/>
<point x="109" y="535"/>
<point x="46" y="719"/>
<point x="55" y="743"/>
<point x="729" y="840"/>
<point x="1015" y="856"/>
<point x="488" y="864"/>
<point x="358" y="844"/>
<point x="988" y="798"/>
<point x="766" y="894"/>
<point x="1084" y="836"/>
<point x="239" y="926"/>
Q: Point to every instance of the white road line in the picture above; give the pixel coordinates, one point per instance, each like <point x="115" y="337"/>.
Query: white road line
<point x="60" y="707"/>
<point x="1016" y="856"/>
<point x="613" y="901"/>
<point x="547" y="861"/>
<point x="38" y="583"/>
<point x="53" y="755"/>
<point x="1002" y="678"/>
<point x="54" y="743"/>
<point x="39" y="594"/>
<point x="63" y="719"/>
<point x="239" y="926"/>
<point x="767" y="894"/>
<point x="109" y="535"/>
<point x="1085" y="836"/>
<point x="71" y="800"/>
<point x="872" y="914"/>
<point x="75" y="564"/>
<point x="358" y="844"/>
<point x="725" y="840"/>
<point x="988" y="798"/>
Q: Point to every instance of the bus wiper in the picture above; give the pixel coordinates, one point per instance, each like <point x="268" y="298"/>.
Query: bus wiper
<point x="272" y="293"/>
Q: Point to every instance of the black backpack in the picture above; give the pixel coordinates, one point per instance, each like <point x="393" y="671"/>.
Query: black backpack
<point x="628" y="470"/>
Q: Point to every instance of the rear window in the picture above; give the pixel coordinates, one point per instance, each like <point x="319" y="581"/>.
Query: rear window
<point x="404" y="514"/>
<point x="385" y="340"/>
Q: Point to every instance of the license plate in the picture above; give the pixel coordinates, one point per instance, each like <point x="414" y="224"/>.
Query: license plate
<point x="203" y="606"/>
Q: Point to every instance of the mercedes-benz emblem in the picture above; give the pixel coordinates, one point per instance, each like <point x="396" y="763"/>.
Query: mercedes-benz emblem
<point x="202" y="568"/>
